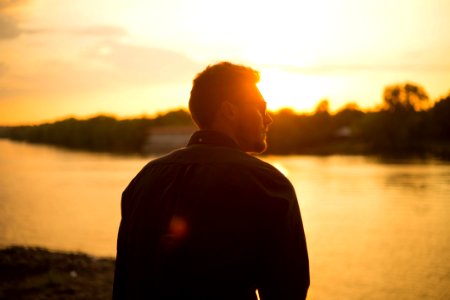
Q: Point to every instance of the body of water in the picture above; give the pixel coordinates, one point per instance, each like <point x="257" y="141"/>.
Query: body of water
<point x="375" y="229"/>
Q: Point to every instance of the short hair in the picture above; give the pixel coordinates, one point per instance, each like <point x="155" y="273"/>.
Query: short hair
<point x="217" y="83"/>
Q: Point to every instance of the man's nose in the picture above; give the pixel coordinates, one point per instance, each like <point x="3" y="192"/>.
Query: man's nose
<point x="267" y="119"/>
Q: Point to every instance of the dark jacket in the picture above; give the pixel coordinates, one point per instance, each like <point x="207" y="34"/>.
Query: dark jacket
<point x="210" y="222"/>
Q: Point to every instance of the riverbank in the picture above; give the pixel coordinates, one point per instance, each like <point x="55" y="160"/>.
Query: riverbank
<point x="36" y="273"/>
<point x="398" y="131"/>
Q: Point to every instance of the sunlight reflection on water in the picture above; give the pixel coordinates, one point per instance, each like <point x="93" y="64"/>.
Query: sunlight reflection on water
<point x="375" y="229"/>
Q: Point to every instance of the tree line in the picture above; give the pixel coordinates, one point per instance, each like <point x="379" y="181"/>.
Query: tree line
<point x="100" y="133"/>
<point x="406" y="124"/>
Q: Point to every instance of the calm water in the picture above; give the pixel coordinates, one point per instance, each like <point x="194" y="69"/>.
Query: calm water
<point x="375" y="230"/>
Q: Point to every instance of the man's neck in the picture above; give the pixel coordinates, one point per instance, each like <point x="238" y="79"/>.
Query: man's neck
<point x="227" y="130"/>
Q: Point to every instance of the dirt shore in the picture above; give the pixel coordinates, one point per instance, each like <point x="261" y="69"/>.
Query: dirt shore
<point x="36" y="273"/>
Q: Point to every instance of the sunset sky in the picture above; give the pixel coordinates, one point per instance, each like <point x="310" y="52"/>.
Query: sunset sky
<point x="61" y="58"/>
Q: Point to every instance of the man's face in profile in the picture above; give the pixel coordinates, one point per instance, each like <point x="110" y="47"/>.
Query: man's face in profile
<point x="253" y="121"/>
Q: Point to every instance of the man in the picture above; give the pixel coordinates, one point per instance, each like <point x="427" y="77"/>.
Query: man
<point x="210" y="221"/>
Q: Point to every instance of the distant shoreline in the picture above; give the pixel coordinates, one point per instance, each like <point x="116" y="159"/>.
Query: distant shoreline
<point x="386" y="133"/>
<point x="38" y="273"/>
<point x="439" y="151"/>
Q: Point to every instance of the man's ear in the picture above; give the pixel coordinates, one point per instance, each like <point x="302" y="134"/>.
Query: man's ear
<point x="229" y="111"/>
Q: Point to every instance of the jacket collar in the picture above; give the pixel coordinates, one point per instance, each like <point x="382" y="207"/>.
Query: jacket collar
<point x="213" y="138"/>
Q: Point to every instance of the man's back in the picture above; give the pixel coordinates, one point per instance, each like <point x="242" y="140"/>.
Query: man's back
<point x="210" y="222"/>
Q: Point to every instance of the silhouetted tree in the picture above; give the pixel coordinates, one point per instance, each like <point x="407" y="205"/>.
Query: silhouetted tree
<point x="283" y="135"/>
<point x="178" y="117"/>
<point x="441" y="116"/>
<point x="404" y="97"/>
<point x="321" y="122"/>
<point x="323" y="107"/>
<point x="401" y="128"/>
<point x="349" y="115"/>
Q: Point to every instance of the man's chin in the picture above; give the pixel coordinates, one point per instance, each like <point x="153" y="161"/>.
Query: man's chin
<point x="259" y="147"/>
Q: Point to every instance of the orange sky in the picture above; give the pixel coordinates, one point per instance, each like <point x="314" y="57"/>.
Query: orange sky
<point x="136" y="57"/>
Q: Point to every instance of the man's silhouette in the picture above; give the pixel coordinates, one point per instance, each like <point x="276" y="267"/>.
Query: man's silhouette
<point x="210" y="221"/>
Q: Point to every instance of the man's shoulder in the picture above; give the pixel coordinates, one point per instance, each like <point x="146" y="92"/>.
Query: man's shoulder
<point x="220" y="158"/>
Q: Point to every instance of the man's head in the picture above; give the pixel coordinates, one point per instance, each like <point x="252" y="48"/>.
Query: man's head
<point x="225" y="97"/>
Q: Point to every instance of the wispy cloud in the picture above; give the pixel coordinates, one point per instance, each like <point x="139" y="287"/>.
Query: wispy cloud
<point x="6" y="4"/>
<point x="9" y="28"/>
<point x="3" y="68"/>
<point x="423" y="58"/>
<point x="105" y="67"/>
<point x="319" y="69"/>
<point x="9" y="24"/>
<point x="142" y="64"/>
<point x="102" y="31"/>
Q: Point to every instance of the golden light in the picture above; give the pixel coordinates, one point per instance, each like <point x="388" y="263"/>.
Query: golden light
<point x="280" y="168"/>
<point x="283" y="89"/>
<point x="82" y="61"/>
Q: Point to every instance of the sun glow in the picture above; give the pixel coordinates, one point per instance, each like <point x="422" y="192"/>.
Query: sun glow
<point x="59" y="59"/>
<point x="282" y="89"/>
<point x="280" y="168"/>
